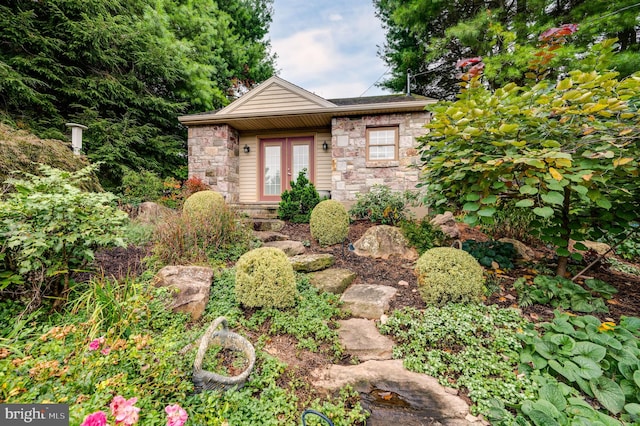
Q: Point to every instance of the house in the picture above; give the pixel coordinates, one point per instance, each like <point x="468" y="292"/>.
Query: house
<point x="250" y="150"/>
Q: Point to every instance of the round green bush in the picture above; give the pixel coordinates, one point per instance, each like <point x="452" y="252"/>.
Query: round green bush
<point x="202" y="202"/>
<point x="265" y="278"/>
<point x="329" y="223"/>
<point x="447" y="274"/>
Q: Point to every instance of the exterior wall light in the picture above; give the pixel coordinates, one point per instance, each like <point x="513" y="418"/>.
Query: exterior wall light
<point x="325" y="146"/>
<point x="247" y="148"/>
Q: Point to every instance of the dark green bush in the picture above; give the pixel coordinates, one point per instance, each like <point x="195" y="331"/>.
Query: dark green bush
<point x="487" y="252"/>
<point x="297" y="203"/>
<point x="422" y="234"/>
<point x="382" y="205"/>
<point x="510" y="221"/>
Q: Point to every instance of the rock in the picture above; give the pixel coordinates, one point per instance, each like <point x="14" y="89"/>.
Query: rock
<point x="291" y="248"/>
<point x="447" y="224"/>
<point x="274" y="225"/>
<point x="419" y="390"/>
<point x="403" y="283"/>
<point x="268" y="236"/>
<point x="312" y="262"/>
<point x="524" y="251"/>
<point x="600" y="248"/>
<point x="361" y="338"/>
<point x="150" y="212"/>
<point x="367" y="300"/>
<point x="384" y="241"/>
<point x="333" y="280"/>
<point x="191" y="286"/>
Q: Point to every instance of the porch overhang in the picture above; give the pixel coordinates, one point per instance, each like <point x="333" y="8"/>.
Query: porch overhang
<point x="297" y="119"/>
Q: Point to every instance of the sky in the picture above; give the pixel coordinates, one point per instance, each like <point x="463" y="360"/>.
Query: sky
<point x="328" y="47"/>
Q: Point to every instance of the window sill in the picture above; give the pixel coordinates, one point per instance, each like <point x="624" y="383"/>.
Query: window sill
<point x="384" y="163"/>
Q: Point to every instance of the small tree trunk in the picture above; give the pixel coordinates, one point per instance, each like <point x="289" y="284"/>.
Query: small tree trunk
<point x="565" y="232"/>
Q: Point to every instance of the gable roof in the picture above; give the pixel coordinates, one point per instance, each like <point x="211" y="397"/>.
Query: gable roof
<point x="278" y="104"/>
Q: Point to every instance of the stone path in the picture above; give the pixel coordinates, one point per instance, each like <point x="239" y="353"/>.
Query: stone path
<point x="391" y="393"/>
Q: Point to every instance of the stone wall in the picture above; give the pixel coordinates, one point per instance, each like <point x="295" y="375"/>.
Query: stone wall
<point x="213" y="157"/>
<point x="353" y="174"/>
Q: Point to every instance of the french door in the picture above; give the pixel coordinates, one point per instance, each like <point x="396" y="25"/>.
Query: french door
<point x="281" y="159"/>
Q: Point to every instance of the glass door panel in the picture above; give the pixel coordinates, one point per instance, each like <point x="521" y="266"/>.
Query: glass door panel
<point x="299" y="160"/>
<point x="272" y="170"/>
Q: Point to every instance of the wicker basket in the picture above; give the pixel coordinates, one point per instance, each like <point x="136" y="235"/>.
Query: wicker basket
<point x="206" y="380"/>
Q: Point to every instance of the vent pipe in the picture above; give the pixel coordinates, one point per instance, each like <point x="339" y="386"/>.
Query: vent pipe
<point x="76" y="137"/>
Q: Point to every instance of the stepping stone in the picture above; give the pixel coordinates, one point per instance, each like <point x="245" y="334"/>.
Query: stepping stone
<point x="332" y="280"/>
<point x="368" y="300"/>
<point x="291" y="248"/>
<point x="312" y="262"/>
<point x="275" y="225"/>
<point x="361" y="338"/>
<point x="424" y="400"/>
<point x="268" y="236"/>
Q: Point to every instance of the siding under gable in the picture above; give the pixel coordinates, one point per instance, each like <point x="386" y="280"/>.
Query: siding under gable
<point x="275" y="98"/>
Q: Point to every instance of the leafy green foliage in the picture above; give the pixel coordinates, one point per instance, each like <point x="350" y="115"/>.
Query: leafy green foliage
<point x="206" y="203"/>
<point x="447" y="274"/>
<point x="127" y="69"/>
<point x="329" y="223"/>
<point x="211" y="238"/>
<point x="382" y="205"/>
<point x="512" y="222"/>
<point x="601" y="360"/>
<point x="49" y="228"/>
<point x="265" y="278"/>
<point x="141" y="186"/>
<point x="464" y="346"/>
<point x="297" y="203"/>
<point x="422" y="234"/>
<point x="428" y="37"/>
<point x="627" y="268"/>
<point x="487" y="252"/>
<point x="563" y="293"/>
<point x="566" y="150"/>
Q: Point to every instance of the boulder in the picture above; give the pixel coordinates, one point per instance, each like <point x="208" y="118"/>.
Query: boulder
<point x="291" y="248"/>
<point x="268" y="236"/>
<point x="150" y="212"/>
<point x="384" y="241"/>
<point x="312" y="262"/>
<point x="368" y="300"/>
<point x="190" y="287"/>
<point x="524" y="251"/>
<point x="447" y="224"/>
<point x="274" y="225"/>
<point x="600" y="248"/>
<point x="423" y="393"/>
<point x="332" y="280"/>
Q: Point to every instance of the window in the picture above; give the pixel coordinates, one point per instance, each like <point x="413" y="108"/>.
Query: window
<point x="382" y="143"/>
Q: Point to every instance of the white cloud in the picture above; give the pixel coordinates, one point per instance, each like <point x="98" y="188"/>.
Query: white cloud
<point x="328" y="56"/>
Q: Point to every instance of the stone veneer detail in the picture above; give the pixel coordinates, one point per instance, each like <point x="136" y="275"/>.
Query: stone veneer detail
<point x="213" y="157"/>
<point x="353" y="174"/>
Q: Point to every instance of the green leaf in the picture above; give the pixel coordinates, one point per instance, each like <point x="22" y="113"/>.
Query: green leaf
<point x="544" y="212"/>
<point x="582" y="190"/>
<point x="528" y="190"/>
<point x="608" y="394"/>
<point x="633" y="409"/>
<point x="588" y="369"/>
<point x="551" y="392"/>
<point x="540" y="418"/>
<point x="553" y="197"/>
<point x="567" y="369"/>
<point x="593" y="351"/>
<point x="490" y="199"/>
<point x="471" y="206"/>
<point x="604" y="203"/>
<point x="486" y="212"/>
<point x="636" y="377"/>
<point x="472" y="197"/>
<point x="527" y="202"/>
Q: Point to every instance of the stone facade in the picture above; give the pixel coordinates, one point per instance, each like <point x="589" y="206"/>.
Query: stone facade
<point x="213" y="157"/>
<point x="353" y="174"/>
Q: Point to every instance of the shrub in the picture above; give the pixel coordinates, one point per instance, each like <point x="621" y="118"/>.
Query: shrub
<point x="487" y="252"/>
<point x="510" y="221"/>
<point x="297" y="203"/>
<point x="50" y="228"/>
<point x="422" y="234"/>
<point x="210" y="238"/>
<point x="446" y="274"/>
<point x="265" y="278"/>
<point x="381" y="205"/>
<point x="329" y="223"/>
<point x="141" y="186"/>
<point x="202" y="202"/>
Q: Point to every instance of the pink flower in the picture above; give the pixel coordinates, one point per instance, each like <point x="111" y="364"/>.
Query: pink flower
<point x="176" y="416"/>
<point x="469" y="61"/>
<point x="99" y="418"/>
<point x="95" y="343"/>
<point x="124" y="411"/>
<point x="105" y="351"/>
